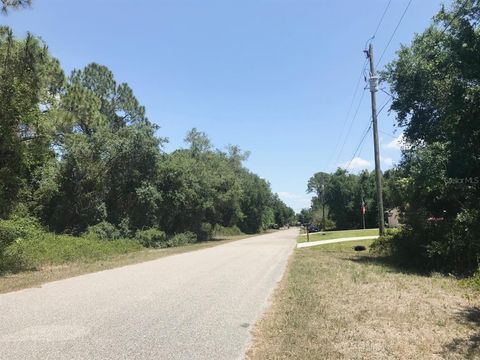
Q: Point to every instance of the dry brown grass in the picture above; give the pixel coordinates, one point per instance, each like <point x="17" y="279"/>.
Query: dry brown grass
<point x="27" y="279"/>
<point x="336" y="304"/>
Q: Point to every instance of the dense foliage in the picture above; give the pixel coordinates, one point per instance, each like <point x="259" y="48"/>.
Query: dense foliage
<point x="79" y="154"/>
<point x="25" y="244"/>
<point x="436" y="86"/>
<point x="342" y="194"/>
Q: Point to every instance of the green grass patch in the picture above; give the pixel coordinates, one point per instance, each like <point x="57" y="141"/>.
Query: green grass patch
<point x="346" y="246"/>
<point x="472" y="282"/>
<point x="30" y="256"/>
<point x="51" y="249"/>
<point x="25" y="245"/>
<point x="220" y="232"/>
<point x="328" y="235"/>
<point x="336" y="303"/>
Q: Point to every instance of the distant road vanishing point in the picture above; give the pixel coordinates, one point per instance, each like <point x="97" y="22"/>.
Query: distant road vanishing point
<point x="196" y="305"/>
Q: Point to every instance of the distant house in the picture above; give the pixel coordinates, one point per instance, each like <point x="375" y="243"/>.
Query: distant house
<point x="393" y="218"/>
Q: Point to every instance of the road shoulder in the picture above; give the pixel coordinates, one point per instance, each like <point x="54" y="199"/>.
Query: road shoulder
<point x="336" y="303"/>
<point x="38" y="277"/>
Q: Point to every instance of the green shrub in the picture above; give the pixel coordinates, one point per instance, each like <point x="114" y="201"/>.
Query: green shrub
<point x="151" y="238"/>
<point x="405" y="248"/>
<point x="11" y="230"/>
<point x="182" y="239"/>
<point x="60" y="249"/>
<point x="451" y="245"/>
<point x="103" y="231"/>
<point x="473" y="281"/>
<point x="205" y="232"/>
<point x="25" y="245"/>
<point x="330" y="225"/>
<point x="14" y="231"/>
<point x="220" y="230"/>
<point x="384" y="245"/>
<point x="9" y="233"/>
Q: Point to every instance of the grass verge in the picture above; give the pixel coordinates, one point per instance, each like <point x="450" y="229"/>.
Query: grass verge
<point x="328" y="235"/>
<point x="334" y="303"/>
<point x="115" y="256"/>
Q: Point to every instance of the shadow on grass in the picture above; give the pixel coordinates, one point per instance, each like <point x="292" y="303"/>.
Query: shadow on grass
<point x="6" y="271"/>
<point x="468" y="348"/>
<point x="388" y="262"/>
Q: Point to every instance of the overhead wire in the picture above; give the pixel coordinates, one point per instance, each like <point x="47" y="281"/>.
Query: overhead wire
<point x="381" y="19"/>
<point x="350" y="126"/>
<point x="366" y="133"/>
<point x="394" y="32"/>
<point x="382" y="55"/>
<point x="357" y="86"/>
<point x="455" y="16"/>
<point x="386" y="133"/>
<point x="358" y="146"/>
<point x="362" y="74"/>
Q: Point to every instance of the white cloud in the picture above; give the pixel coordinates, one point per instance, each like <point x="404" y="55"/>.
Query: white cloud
<point x="387" y="161"/>
<point x="396" y="144"/>
<point x="296" y="201"/>
<point x="357" y="163"/>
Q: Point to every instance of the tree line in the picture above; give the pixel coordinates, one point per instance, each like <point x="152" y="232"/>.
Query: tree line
<point x="343" y="196"/>
<point x="77" y="152"/>
<point x="435" y="84"/>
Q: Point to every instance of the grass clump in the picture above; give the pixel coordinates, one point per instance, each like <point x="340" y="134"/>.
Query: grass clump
<point x="329" y="235"/>
<point x="152" y="238"/>
<point x="335" y="303"/>
<point x="182" y="239"/>
<point x="26" y="245"/>
<point x="155" y="238"/>
<point x="473" y="281"/>
<point x="103" y="231"/>
<point x="220" y="231"/>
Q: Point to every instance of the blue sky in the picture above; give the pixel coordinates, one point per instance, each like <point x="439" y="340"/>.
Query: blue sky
<point x="275" y="77"/>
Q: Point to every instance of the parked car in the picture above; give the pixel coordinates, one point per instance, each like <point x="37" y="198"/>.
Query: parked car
<point x="312" y="228"/>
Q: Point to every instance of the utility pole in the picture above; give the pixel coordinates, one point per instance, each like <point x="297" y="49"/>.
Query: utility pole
<point x="323" y="205"/>
<point x="363" y="211"/>
<point x="378" y="175"/>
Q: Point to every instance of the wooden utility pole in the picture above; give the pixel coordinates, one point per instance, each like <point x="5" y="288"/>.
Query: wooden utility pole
<point x="378" y="174"/>
<point x="363" y="212"/>
<point x="324" y="226"/>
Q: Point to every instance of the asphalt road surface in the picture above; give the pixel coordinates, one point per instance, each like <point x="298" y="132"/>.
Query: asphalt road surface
<point x="196" y="305"/>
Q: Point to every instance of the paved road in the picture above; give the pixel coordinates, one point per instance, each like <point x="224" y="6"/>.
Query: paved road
<point x="197" y="305"/>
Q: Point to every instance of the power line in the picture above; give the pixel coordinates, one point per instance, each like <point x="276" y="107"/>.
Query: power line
<point x="386" y="92"/>
<point x="388" y="134"/>
<point x="381" y="19"/>
<point x="384" y="105"/>
<point x="362" y="74"/>
<point x="394" y="32"/>
<point x="358" y="146"/>
<point x="350" y="126"/>
<point x="366" y="132"/>
<point x="348" y="112"/>
<point x="455" y="16"/>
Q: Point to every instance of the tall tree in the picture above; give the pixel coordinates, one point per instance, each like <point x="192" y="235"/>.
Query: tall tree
<point x="437" y="101"/>
<point x="96" y="86"/>
<point x="317" y="184"/>
<point x="30" y="81"/>
<point x="14" y="4"/>
<point x="109" y="157"/>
